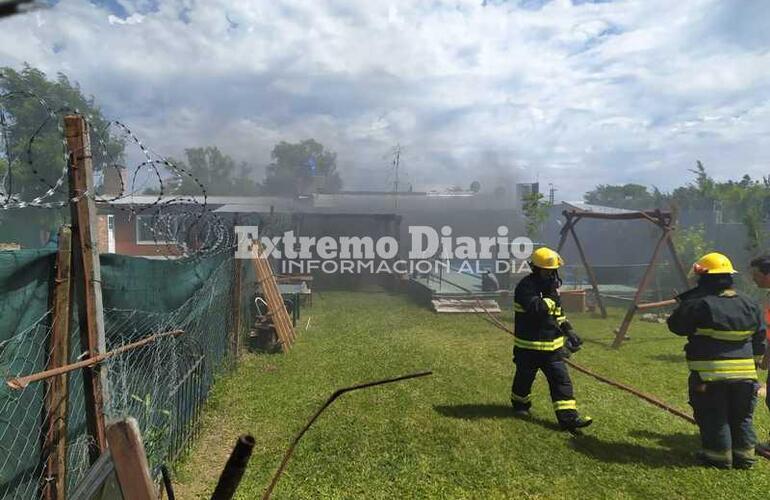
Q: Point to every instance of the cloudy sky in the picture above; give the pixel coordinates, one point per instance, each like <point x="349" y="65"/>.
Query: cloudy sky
<point x="569" y="92"/>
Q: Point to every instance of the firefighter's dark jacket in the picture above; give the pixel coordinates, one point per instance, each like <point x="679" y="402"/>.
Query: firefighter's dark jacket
<point x="538" y="319"/>
<point x="724" y="330"/>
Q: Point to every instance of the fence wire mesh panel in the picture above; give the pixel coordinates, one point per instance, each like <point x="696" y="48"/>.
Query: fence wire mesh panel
<point x="163" y="384"/>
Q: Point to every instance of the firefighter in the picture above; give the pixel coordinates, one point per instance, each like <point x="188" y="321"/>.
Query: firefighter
<point x="540" y="331"/>
<point x="760" y="272"/>
<point x="725" y="340"/>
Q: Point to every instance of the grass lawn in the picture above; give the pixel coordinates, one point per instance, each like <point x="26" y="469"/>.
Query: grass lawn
<point x="451" y="435"/>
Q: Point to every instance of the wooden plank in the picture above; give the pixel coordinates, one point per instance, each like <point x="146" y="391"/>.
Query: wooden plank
<point x="680" y="269"/>
<point x="235" y="335"/>
<point x="621" y="333"/>
<point x="87" y="272"/>
<point x="280" y="316"/>
<point x="565" y="231"/>
<point x="95" y="480"/>
<point x="656" y="305"/>
<point x="465" y="306"/>
<point x="55" y="437"/>
<point x="647" y="215"/>
<point x="130" y="460"/>
<point x="590" y="271"/>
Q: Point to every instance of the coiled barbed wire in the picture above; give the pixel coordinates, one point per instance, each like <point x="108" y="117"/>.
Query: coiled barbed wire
<point x="184" y="220"/>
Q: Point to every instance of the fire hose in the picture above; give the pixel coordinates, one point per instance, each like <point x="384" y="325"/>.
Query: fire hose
<point x="618" y="385"/>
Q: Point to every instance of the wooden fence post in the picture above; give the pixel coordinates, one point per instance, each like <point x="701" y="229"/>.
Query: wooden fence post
<point x="87" y="272"/>
<point x="55" y="442"/>
<point x="130" y="460"/>
<point x="235" y="340"/>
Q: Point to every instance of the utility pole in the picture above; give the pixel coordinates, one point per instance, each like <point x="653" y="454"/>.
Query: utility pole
<point x="396" y="161"/>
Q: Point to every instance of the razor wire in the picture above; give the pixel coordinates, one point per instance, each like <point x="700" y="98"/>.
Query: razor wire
<point x="163" y="384"/>
<point x="184" y="220"/>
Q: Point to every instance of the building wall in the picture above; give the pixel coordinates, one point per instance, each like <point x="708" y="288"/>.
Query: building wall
<point x="125" y="239"/>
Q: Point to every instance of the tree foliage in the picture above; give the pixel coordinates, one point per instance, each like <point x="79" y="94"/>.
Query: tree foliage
<point x="745" y="201"/>
<point x="535" y="210"/>
<point x="32" y="146"/>
<point x="219" y="174"/>
<point x="691" y="243"/>
<point x="30" y="129"/>
<point x="629" y="196"/>
<point x="302" y="168"/>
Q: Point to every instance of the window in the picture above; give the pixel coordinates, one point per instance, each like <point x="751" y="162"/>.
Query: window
<point x="156" y="229"/>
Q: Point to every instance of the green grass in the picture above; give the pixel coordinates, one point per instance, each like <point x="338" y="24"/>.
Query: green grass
<point x="451" y="435"/>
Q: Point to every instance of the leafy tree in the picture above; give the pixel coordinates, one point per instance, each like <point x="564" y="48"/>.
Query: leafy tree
<point x="301" y="168"/>
<point x="29" y="126"/>
<point x="475" y="187"/>
<point x="629" y="196"/>
<point x="219" y="174"/>
<point x="27" y="119"/>
<point x="699" y="194"/>
<point x="535" y="210"/>
<point x="746" y="201"/>
<point x="691" y="243"/>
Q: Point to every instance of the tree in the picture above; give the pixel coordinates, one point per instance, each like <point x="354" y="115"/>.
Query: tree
<point x="535" y="213"/>
<point x="475" y="187"/>
<point x="26" y="119"/>
<point x="219" y="174"/>
<point x="691" y="243"/>
<point x="302" y="168"/>
<point x="629" y="196"/>
<point x="31" y="145"/>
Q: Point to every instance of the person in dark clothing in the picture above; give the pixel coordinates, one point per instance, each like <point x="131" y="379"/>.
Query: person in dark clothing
<point x="760" y="272"/>
<point x="489" y="282"/>
<point x="539" y="343"/>
<point x="725" y="340"/>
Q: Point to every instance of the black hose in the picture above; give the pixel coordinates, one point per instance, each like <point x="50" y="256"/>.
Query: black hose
<point x="167" y="482"/>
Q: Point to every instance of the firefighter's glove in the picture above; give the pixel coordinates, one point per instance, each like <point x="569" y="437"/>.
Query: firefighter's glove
<point x="573" y="341"/>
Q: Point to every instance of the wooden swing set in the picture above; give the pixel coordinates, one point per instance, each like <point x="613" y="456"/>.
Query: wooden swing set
<point x="662" y="219"/>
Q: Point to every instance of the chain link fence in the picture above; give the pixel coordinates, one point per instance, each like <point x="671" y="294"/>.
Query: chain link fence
<point x="163" y="384"/>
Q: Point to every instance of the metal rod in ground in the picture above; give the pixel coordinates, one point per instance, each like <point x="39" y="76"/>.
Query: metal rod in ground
<point x="22" y="382"/>
<point x="329" y="401"/>
<point x="234" y="469"/>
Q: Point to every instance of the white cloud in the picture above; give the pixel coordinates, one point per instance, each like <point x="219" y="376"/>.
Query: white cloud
<point x="135" y="18"/>
<point x="626" y="91"/>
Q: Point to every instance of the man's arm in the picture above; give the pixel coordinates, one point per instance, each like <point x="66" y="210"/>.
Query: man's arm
<point x="683" y="320"/>
<point x="527" y="296"/>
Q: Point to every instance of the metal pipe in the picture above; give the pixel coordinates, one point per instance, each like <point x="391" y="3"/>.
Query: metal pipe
<point x="329" y="401"/>
<point x="22" y="382"/>
<point x="234" y="469"/>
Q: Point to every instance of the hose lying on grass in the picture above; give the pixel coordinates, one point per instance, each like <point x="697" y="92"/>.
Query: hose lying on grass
<point x="329" y="401"/>
<point x="639" y="394"/>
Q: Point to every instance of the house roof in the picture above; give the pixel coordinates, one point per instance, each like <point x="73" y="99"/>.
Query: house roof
<point x="343" y="202"/>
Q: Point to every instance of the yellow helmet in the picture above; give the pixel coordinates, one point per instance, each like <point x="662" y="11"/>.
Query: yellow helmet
<point x="713" y="263"/>
<point x="545" y="258"/>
